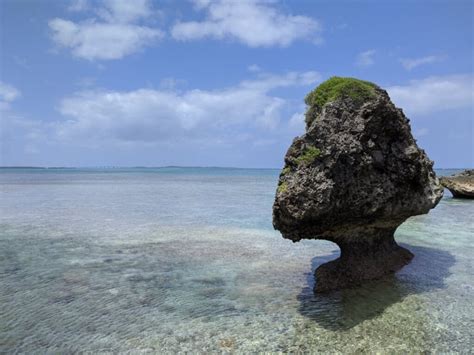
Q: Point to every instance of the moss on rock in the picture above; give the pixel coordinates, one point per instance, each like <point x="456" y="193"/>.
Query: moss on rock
<point x="310" y="154"/>
<point x="282" y="188"/>
<point x="337" y="88"/>
<point x="285" y="171"/>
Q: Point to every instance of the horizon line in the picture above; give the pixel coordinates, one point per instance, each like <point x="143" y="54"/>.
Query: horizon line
<point x="161" y="167"/>
<point x="131" y="167"/>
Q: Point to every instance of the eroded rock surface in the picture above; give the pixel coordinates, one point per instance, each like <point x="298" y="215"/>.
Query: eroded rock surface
<point x="353" y="178"/>
<point x="461" y="185"/>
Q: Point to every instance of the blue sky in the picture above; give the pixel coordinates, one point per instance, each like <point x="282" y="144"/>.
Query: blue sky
<point x="220" y="83"/>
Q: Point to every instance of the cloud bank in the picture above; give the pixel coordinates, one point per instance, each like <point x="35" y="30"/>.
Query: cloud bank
<point x="255" y="23"/>
<point x="436" y="93"/>
<point x="112" y="34"/>
<point x="147" y="115"/>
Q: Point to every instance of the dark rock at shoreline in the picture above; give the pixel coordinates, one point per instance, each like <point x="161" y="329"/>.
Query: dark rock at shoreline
<point x="353" y="178"/>
<point x="460" y="185"/>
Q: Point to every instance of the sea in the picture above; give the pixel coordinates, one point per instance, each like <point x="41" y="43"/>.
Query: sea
<point x="167" y="260"/>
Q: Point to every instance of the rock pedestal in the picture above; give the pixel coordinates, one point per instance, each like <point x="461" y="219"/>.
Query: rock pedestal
<point x="363" y="259"/>
<point x="353" y="178"/>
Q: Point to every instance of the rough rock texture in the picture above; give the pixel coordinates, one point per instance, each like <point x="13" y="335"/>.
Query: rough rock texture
<point x="353" y="178"/>
<point x="460" y="185"/>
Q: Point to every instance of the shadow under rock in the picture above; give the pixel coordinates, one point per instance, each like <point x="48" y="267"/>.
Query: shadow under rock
<point x="344" y="309"/>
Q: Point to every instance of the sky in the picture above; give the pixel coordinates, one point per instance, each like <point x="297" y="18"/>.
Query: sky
<point x="221" y="82"/>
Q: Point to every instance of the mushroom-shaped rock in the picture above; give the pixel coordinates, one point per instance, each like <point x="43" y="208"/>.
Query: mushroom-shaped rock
<point x="461" y="185"/>
<point x="353" y="178"/>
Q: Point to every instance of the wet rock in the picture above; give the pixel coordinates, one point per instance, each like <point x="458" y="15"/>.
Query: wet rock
<point x="460" y="185"/>
<point x="353" y="178"/>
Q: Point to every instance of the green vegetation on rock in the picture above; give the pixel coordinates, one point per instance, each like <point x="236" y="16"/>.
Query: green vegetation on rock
<point x="310" y="154"/>
<point x="285" y="171"/>
<point x="282" y="188"/>
<point x="336" y="88"/>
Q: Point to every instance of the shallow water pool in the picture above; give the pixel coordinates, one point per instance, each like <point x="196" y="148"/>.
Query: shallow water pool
<point x="167" y="260"/>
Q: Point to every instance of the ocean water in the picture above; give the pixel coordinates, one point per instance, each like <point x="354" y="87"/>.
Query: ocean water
<point x="175" y="259"/>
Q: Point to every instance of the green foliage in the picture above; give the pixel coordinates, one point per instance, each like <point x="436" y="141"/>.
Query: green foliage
<point x="310" y="154"/>
<point x="285" y="171"/>
<point x="337" y="87"/>
<point x="282" y="188"/>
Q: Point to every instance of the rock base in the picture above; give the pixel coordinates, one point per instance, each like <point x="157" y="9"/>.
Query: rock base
<point x="361" y="261"/>
<point x="462" y="194"/>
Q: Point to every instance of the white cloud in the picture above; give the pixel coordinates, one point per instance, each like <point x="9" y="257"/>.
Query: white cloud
<point x="365" y="59"/>
<point x="268" y="82"/>
<point x="411" y="63"/>
<point x="172" y="83"/>
<point x="297" y="122"/>
<point x="78" y="5"/>
<point x="125" y="11"/>
<point x="90" y="40"/>
<point x="254" y="68"/>
<point x="148" y="115"/>
<point x="8" y="94"/>
<point x="255" y="23"/>
<point x="17" y="133"/>
<point x="434" y="93"/>
<point x="113" y="36"/>
<point x="17" y="129"/>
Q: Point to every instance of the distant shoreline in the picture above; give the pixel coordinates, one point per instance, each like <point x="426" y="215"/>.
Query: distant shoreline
<point x="134" y="167"/>
<point x="158" y="167"/>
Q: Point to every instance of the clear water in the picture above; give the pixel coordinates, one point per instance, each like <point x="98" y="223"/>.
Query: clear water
<point x="167" y="260"/>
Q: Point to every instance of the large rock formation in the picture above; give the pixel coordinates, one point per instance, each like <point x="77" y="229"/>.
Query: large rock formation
<point x="461" y="185"/>
<point x="353" y="178"/>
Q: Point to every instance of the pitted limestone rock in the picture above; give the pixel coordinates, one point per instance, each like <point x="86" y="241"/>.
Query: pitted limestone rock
<point x="353" y="178"/>
<point x="461" y="185"/>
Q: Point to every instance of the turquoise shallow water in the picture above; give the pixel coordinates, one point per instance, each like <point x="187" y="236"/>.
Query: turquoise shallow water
<point x="167" y="260"/>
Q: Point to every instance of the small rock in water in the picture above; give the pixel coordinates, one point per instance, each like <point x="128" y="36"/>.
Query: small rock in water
<point x="461" y="185"/>
<point x="353" y="178"/>
<point x="228" y="343"/>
